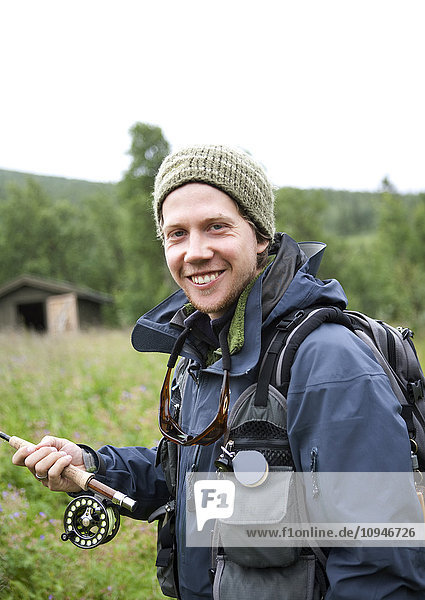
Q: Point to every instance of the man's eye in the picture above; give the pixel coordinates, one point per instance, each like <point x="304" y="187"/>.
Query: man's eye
<point x="177" y="234"/>
<point x="217" y="226"/>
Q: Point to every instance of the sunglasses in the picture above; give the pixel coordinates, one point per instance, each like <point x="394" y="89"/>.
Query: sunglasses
<point x="170" y="428"/>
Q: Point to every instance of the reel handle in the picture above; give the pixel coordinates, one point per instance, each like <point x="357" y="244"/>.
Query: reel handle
<point x="81" y="478"/>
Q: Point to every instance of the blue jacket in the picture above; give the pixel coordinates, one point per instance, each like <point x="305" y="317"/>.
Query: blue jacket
<point x="339" y="401"/>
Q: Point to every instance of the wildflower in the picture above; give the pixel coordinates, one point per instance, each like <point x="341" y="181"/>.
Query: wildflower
<point x="42" y="514"/>
<point x="42" y="537"/>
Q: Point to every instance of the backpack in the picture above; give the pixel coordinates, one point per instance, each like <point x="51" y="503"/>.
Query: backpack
<point x="392" y="347"/>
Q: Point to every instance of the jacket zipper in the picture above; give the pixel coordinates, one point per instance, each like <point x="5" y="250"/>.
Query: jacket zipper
<point x="314" y="455"/>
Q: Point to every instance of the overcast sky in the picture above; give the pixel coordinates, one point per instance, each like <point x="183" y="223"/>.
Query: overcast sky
<point x="325" y="93"/>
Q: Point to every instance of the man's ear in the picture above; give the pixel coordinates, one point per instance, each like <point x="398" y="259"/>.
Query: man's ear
<point x="261" y="246"/>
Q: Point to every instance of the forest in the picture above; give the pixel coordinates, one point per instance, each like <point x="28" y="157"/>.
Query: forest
<point x="102" y="236"/>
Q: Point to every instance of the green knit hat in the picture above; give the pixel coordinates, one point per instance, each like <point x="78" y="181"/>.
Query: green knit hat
<point x="230" y="170"/>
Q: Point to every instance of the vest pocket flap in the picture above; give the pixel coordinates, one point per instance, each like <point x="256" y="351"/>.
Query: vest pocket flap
<point x="272" y="502"/>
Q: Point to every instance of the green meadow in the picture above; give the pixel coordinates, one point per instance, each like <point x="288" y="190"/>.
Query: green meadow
<point x="93" y="388"/>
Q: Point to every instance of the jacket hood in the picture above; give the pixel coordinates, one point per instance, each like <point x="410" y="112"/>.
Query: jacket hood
<point x="290" y="257"/>
<point x="287" y="284"/>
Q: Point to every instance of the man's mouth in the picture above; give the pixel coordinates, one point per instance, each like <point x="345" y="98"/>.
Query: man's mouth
<point x="206" y="278"/>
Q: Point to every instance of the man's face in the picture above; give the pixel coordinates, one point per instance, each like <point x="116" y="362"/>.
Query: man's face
<point x="211" y="250"/>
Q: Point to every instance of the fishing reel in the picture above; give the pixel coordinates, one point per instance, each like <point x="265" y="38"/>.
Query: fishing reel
<point x="90" y="521"/>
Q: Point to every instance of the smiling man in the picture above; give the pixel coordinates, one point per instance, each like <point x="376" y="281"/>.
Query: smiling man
<point x="211" y="250"/>
<point x="238" y="279"/>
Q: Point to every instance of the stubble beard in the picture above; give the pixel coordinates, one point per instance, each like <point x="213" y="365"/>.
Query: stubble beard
<point x="220" y="306"/>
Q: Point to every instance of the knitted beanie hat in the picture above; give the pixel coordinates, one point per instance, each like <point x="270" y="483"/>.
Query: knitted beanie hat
<point x="228" y="169"/>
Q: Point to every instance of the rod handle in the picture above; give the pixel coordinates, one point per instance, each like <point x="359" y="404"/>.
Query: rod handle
<point x="78" y="476"/>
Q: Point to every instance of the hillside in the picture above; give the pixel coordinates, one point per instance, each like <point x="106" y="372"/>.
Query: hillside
<point x="57" y="187"/>
<point x="344" y="212"/>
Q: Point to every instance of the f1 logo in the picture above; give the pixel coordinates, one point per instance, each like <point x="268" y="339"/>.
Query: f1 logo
<point x="213" y="500"/>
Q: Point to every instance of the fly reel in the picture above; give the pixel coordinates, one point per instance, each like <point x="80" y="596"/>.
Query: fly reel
<point x="89" y="522"/>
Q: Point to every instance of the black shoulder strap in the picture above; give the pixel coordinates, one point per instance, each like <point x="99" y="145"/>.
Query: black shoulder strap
<point x="291" y="331"/>
<point x="285" y="332"/>
<point x="268" y="366"/>
<point x="271" y="347"/>
<point x="328" y="314"/>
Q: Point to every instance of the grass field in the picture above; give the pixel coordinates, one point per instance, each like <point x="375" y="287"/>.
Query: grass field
<point x="92" y="388"/>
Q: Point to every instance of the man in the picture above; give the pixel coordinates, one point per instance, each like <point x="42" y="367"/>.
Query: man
<point x="214" y="212"/>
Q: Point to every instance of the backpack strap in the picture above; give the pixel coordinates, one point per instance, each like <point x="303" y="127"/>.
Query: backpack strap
<point x="273" y="348"/>
<point x="289" y="333"/>
<point x="310" y="321"/>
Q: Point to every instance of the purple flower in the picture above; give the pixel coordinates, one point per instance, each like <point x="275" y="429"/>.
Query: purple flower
<point x="42" y="514"/>
<point x="42" y="537"/>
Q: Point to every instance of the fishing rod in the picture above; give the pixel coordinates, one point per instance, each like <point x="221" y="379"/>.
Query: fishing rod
<point x="89" y="520"/>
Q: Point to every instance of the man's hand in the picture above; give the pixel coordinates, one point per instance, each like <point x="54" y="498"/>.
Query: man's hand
<point x="48" y="459"/>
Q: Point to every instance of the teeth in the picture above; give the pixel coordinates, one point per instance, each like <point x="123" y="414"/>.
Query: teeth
<point x="204" y="278"/>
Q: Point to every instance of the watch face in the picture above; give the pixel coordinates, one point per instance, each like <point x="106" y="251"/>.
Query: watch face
<point x="89" y="461"/>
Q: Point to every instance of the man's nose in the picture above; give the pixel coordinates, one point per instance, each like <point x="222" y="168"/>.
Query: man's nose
<point x="198" y="248"/>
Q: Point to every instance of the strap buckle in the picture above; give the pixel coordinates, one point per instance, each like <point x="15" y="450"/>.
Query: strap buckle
<point x="287" y="325"/>
<point x="415" y="390"/>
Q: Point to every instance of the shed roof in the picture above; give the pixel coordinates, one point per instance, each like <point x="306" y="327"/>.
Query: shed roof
<point x="53" y="286"/>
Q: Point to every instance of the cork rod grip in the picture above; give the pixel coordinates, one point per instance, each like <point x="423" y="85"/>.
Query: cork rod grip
<point x="78" y="476"/>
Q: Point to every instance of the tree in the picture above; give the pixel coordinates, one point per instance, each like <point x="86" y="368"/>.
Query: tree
<point x="59" y="238"/>
<point x="300" y="213"/>
<point x="148" y="149"/>
<point x="30" y="237"/>
<point x="145" y="279"/>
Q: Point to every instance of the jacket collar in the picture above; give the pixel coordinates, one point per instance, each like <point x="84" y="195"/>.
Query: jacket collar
<point x="287" y="284"/>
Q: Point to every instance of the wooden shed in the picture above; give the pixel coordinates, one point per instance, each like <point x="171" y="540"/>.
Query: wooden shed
<point x="45" y="305"/>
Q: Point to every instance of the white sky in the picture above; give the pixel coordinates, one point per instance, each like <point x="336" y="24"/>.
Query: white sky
<point x="325" y="93"/>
